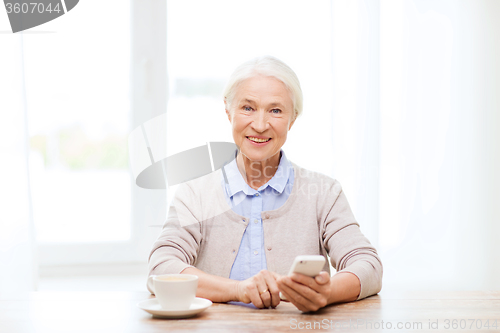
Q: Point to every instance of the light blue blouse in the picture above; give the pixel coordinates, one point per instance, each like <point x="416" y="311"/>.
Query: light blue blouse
<point x="250" y="203"/>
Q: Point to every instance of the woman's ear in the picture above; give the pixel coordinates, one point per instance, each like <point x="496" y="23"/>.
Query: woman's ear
<point x="227" y="111"/>
<point x="291" y="123"/>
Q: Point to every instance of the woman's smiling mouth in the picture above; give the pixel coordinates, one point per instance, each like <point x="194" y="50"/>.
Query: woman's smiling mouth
<point x="258" y="140"/>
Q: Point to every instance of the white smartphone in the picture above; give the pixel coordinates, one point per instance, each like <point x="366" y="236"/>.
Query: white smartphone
<point x="308" y="265"/>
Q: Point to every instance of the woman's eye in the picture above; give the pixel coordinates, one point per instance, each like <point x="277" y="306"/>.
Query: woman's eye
<point x="276" y="111"/>
<point x="247" y="108"/>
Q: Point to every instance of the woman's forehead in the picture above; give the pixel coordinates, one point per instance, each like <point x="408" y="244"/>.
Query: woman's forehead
<point x="260" y="88"/>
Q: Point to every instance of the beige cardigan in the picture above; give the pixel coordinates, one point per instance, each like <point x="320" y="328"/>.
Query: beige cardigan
<point x="203" y="231"/>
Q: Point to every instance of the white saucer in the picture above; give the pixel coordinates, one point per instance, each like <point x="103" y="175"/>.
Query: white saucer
<point x="153" y="306"/>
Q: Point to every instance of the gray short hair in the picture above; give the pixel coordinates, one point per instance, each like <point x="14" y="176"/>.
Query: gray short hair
<point x="266" y="66"/>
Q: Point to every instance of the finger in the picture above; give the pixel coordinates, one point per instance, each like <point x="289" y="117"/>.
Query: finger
<point x="272" y="286"/>
<point x="283" y="295"/>
<point x="266" y="299"/>
<point x="300" y="289"/>
<point x="316" y="299"/>
<point x="296" y="299"/>
<point x="322" y="278"/>
<point x="255" y="298"/>
<point x="245" y="299"/>
<point x="304" y="280"/>
<point x="311" y="282"/>
<point x="263" y="290"/>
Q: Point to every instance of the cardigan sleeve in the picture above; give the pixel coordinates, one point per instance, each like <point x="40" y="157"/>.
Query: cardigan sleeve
<point x="349" y="250"/>
<point x="177" y="245"/>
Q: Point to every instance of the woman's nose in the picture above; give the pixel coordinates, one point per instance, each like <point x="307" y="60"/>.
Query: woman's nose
<point x="260" y="123"/>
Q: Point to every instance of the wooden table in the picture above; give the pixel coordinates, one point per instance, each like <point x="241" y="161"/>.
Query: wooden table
<point x="117" y="312"/>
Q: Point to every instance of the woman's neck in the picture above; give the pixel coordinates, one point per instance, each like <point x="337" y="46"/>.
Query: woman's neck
<point x="257" y="173"/>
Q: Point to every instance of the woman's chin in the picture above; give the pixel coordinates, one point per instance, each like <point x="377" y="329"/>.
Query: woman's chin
<point x="257" y="156"/>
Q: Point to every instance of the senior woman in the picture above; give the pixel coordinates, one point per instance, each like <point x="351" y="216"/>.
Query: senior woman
<point x="239" y="228"/>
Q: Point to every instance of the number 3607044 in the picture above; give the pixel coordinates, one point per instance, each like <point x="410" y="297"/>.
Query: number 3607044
<point x="32" y="7"/>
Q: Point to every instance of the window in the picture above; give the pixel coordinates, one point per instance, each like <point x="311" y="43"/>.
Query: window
<point x="200" y="58"/>
<point x="77" y="83"/>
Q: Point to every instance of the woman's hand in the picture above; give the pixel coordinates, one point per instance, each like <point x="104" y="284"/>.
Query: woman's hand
<point x="306" y="293"/>
<point x="261" y="290"/>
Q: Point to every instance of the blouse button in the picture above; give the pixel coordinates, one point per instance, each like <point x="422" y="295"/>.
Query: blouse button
<point x="234" y="251"/>
<point x="269" y="248"/>
<point x="267" y="216"/>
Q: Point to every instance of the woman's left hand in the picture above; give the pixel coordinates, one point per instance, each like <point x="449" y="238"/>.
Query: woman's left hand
<point x="306" y="293"/>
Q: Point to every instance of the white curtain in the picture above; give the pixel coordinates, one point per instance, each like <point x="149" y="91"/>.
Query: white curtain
<point x="420" y="158"/>
<point x="17" y="269"/>
<point x="355" y="123"/>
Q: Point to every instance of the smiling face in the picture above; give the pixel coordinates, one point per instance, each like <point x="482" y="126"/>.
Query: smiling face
<point x="261" y="114"/>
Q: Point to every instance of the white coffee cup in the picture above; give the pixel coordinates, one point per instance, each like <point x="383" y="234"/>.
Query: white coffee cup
<point x="175" y="291"/>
